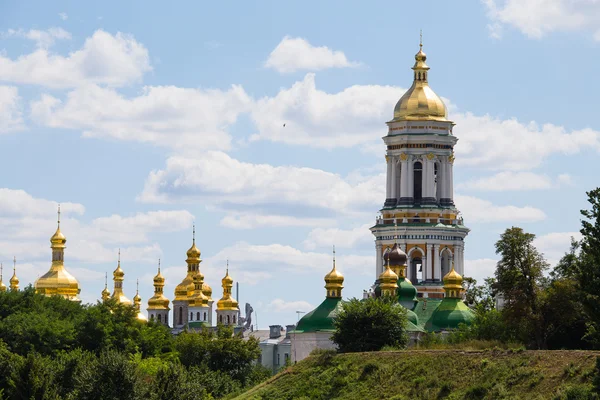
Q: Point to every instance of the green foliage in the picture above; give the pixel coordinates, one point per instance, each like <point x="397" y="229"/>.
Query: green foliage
<point x="369" y="325"/>
<point x="434" y="374"/>
<point x="55" y="349"/>
<point x="482" y="297"/>
<point x="520" y="279"/>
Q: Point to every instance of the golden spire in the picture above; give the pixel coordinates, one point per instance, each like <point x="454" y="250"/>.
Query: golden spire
<point x="58" y="281"/>
<point x="334" y="281"/>
<point x="118" y="278"/>
<point x="420" y="102"/>
<point x="2" y="285"/>
<point x="105" y="292"/>
<point x="453" y="284"/>
<point x="14" y="281"/>
<point x="388" y="281"/>
<point x="227" y="302"/>
<point x="158" y="301"/>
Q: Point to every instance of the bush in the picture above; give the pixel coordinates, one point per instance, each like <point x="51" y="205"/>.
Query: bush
<point x="369" y="325"/>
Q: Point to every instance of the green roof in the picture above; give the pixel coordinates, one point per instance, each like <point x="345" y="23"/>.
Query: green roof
<point x="450" y="313"/>
<point x="321" y="318"/>
<point x="198" y="324"/>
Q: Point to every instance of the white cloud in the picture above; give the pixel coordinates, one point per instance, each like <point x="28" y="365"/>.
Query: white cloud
<point x="244" y="257"/>
<point x="537" y="18"/>
<point x="168" y="116"/>
<point x="221" y="179"/>
<point x="554" y="245"/>
<point x="11" y="116"/>
<point x="29" y="222"/>
<point x="43" y="39"/>
<point x="280" y="305"/>
<point x="480" y="269"/>
<point x="509" y="180"/>
<point x="114" y="60"/>
<point x="312" y="117"/>
<point x="341" y="238"/>
<point x="63" y="16"/>
<point x="489" y="142"/>
<point x="254" y="220"/>
<point x="293" y="54"/>
<point x="480" y="211"/>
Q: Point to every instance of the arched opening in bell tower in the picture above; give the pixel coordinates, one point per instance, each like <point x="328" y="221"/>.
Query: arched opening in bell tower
<point x="446" y="261"/>
<point x="418" y="182"/>
<point x="416" y="269"/>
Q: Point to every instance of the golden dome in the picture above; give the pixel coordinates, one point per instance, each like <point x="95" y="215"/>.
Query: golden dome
<point x="2" y="285"/>
<point x="14" y="281"/>
<point x="198" y="298"/>
<point x="137" y="301"/>
<point x="227" y="302"/>
<point x="193" y="253"/>
<point x="453" y="283"/>
<point x="158" y="301"/>
<point x="118" y="278"/>
<point x="57" y="281"/>
<point x="420" y="102"/>
<point x="334" y="281"/>
<point x="105" y="294"/>
<point x="388" y="282"/>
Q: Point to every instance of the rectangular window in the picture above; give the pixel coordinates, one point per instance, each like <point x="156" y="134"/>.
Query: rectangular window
<point x="286" y="356"/>
<point x="277" y="358"/>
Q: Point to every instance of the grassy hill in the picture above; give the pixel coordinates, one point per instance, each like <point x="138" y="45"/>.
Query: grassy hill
<point x="435" y="374"/>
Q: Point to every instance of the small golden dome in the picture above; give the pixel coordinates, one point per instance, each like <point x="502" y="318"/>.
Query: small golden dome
<point x="159" y="278"/>
<point x="388" y="275"/>
<point x="193" y="252"/>
<point x="105" y="294"/>
<point x="227" y="302"/>
<point x="334" y="281"/>
<point x="14" y="281"/>
<point x="198" y="299"/>
<point x="420" y="102"/>
<point x="453" y="283"/>
<point x="158" y="301"/>
<point x="2" y="285"/>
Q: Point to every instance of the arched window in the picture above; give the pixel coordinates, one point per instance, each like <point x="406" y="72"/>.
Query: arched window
<point x="445" y="262"/>
<point x="191" y="316"/>
<point x="205" y="316"/>
<point x="198" y="316"/>
<point x="418" y="182"/>
<point x="152" y="317"/>
<point x="180" y="315"/>
<point x="159" y="317"/>
<point x="416" y="269"/>
<point x="228" y="321"/>
<point x="220" y="318"/>
<point x="435" y="182"/>
<point x="234" y="319"/>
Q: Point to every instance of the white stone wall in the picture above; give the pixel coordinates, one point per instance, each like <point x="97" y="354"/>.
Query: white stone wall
<point x="304" y="343"/>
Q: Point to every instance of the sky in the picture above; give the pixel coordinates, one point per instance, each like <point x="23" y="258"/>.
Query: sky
<point x="142" y="119"/>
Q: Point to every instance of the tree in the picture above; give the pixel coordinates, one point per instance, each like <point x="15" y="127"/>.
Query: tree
<point x="587" y="266"/>
<point x="480" y="297"/>
<point x="370" y="324"/>
<point x="520" y="279"/>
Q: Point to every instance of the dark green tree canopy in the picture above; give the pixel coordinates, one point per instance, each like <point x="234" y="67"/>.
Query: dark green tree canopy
<point x="370" y="324"/>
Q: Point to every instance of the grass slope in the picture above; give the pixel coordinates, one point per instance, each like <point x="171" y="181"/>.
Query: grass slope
<point x="435" y="374"/>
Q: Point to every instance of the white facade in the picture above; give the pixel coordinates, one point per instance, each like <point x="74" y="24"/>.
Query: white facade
<point x="161" y="316"/>
<point x="304" y="343"/>
<point x="419" y="212"/>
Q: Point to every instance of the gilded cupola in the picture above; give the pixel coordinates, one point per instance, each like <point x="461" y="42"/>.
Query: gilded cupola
<point x="227" y="302"/>
<point x="2" y="285"/>
<point x="158" y="301"/>
<point x="137" y="302"/>
<point x="58" y="281"/>
<point x="14" y="281"/>
<point x="334" y="281"/>
<point x="420" y="103"/>
<point x="185" y="290"/>
<point x="388" y="281"/>
<point x="198" y="299"/>
<point x="453" y="284"/>
<point x="118" y="278"/>
<point x="105" y="292"/>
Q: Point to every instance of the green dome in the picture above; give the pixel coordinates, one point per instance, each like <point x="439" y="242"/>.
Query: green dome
<point x="412" y="317"/>
<point x="406" y="290"/>
<point x="450" y="313"/>
<point x="321" y="318"/>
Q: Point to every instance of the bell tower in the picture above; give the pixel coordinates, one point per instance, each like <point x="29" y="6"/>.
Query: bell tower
<point x="419" y="188"/>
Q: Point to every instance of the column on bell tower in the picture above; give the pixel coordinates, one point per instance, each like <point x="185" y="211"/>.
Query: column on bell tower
<point x="388" y="183"/>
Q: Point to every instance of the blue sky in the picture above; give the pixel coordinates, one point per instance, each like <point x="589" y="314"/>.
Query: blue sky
<point x="141" y="118"/>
